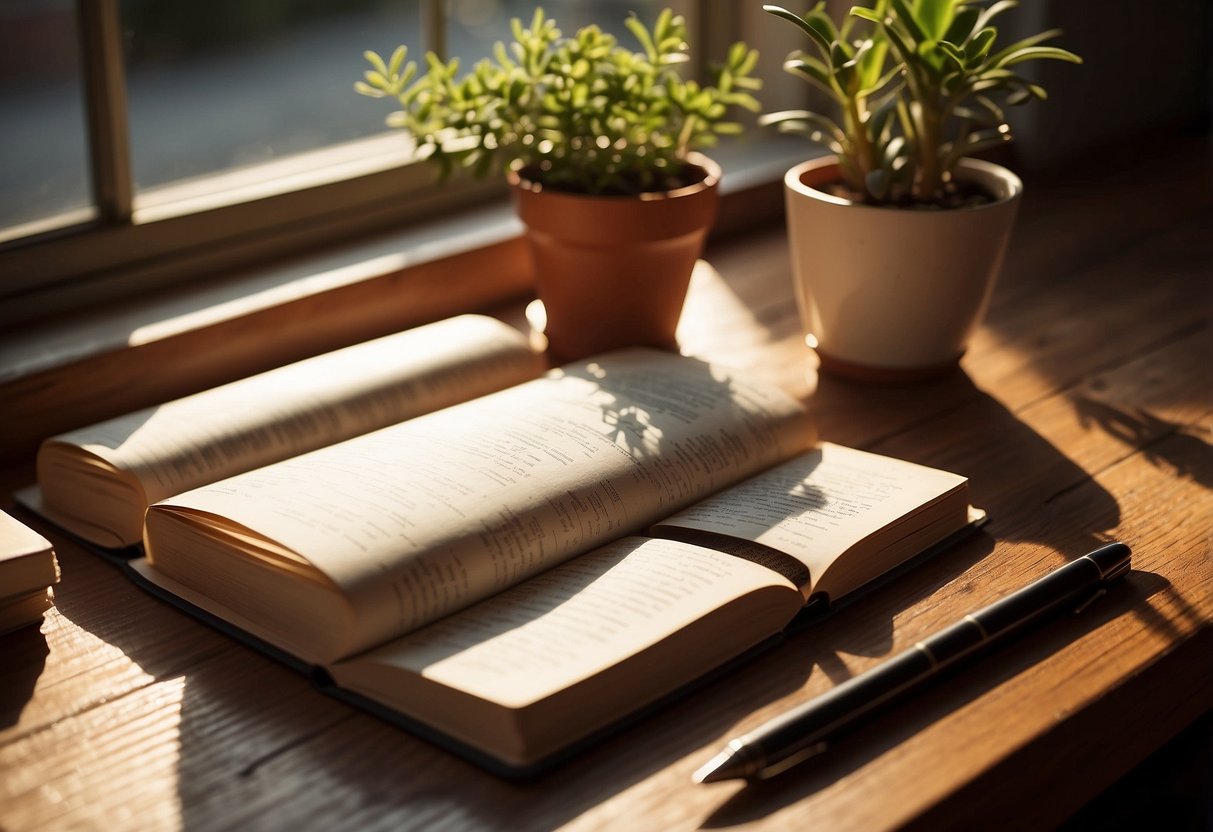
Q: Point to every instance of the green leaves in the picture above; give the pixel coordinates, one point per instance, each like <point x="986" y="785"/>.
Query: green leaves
<point x="584" y="111"/>
<point x="917" y="85"/>
<point x="386" y="78"/>
<point x="935" y="16"/>
<point x="815" y="23"/>
<point x="1031" y="53"/>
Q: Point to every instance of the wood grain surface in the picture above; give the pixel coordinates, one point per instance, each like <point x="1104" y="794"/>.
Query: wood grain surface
<point x="1082" y="413"/>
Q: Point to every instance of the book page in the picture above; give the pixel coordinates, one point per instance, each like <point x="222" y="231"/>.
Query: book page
<point x="18" y="540"/>
<point x="574" y="621"/>
<point x="818" y="505"/>
<point x="300" y="407"/>
<point x="27" y="559"/>
<point x="425" y="517"/>
<point x="24" y="610"/>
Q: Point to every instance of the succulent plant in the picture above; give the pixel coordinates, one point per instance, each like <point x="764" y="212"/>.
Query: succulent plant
<point x="579" y="113"/>
<point x="917" y="85"/>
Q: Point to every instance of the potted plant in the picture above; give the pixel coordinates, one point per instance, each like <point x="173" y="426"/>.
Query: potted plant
<point x="897" y="237"/>
<point x="599" y="145"/>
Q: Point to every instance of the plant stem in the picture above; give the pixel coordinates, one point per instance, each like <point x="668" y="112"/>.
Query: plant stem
<point x="926" y="126"/>
<point x="856" y="129"/>
<point x="685" y="135"/>
<point x="930" y="181"/>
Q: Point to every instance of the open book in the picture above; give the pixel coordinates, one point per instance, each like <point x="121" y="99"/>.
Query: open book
<point x="97" y="482"/>
<point x="479" y="570"/>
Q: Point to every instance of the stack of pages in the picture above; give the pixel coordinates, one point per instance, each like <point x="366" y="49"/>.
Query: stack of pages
<point x="27" y="571"/>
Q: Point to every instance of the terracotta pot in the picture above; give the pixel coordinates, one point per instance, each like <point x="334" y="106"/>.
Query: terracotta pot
<point x="613" y="271"/>
<point x="894" y="293"/>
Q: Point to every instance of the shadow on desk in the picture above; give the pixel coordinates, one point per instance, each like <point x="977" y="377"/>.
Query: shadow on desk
<point x="1186" y="454"/>
<point x="25" y="653"/>
<point x="1172" y="789"/>
<point x="1015" y="474"/>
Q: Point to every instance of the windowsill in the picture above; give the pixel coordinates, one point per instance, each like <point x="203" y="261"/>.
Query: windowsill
<point x="84" y="367"/>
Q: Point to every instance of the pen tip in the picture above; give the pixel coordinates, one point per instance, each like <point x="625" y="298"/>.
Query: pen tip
<point x="717" y="769"/>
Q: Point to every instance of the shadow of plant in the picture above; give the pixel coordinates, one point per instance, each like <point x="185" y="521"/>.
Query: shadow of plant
<point x="1187" y="454"/>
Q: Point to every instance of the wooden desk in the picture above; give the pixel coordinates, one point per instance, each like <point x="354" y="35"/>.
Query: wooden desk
<point x="1083" y="413"/>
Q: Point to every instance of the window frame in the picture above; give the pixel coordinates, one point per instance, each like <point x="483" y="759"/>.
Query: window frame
<point x="135" y="243"/>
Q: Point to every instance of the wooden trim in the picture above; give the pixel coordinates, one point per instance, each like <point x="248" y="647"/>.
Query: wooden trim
<point x="714" y="31"/>
<point x="120" y="260"/>
<point x="104" y="74"/>
<point x="433" y="27"/>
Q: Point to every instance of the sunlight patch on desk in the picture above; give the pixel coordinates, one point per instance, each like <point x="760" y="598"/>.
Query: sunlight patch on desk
<point x="147" y="791"/>
<point x="59" y="626"/>
<point x="716" y="324"/>
<point x="131" y="744"/>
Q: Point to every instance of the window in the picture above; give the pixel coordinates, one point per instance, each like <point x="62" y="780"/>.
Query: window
<point x="148" y="141"/>
<point x="228" y="85"/>
<point x="42" y="141"/>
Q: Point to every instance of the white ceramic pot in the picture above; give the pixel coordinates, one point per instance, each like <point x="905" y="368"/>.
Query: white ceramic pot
<point x="890" y="293"/>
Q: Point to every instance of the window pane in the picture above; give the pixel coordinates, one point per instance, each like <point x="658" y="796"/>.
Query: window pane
<point x="228" y="83"/>
<point x="473" y="26"/>
<point x="43" y="149"/>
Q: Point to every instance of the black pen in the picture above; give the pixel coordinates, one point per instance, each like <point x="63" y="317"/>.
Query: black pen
<point x="804" y="731"/>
